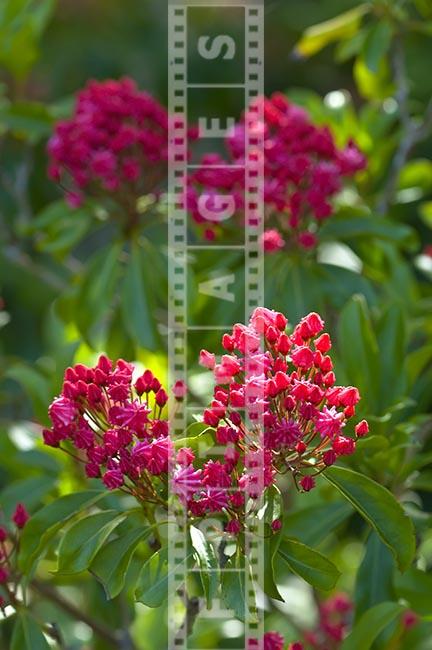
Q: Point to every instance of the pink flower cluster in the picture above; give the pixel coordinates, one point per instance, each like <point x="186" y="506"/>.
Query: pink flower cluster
<point x="335" y="618"/>
<point x="298" y="414"/>
<point x="270" y="641"/>
<point x="114" y="422"/>
<point x="334" y="624"/>
<point x="9" y="576"/>
<point x="116" y="142"/>
<point x="303" y="171"/>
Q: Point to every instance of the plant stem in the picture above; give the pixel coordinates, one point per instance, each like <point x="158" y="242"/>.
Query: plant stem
<point x="104" y="632"/>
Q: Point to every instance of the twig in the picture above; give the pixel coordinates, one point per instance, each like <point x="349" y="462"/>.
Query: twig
<point x="412" y="131"/>
<point x="193" y="607"/>
<point x="113" y="638"/>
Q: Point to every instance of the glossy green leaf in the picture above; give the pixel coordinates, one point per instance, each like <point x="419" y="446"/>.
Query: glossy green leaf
<point x="138" y="315"/>
<point x="391" y="337"/>
<point x="28" y="491"/>
<point x="27" y="634"/>
<point x="84" y="538"/>
<point x="45" y="524"/>
<point x="307" y="563"/>
<point x="270" y="549"/>
<point x="153" y="581"/>
<point x="112" y="562"/>
<point x="35" y="384"/>
<point x="233" y="589"/>
<point x="415" y="586"/>
<point x="374" y="581"/>
<point x="208" y="563"/>
<point x="352" y="228"/>
<point x="313" y="524"/>
<point x="377" y="44"/>
<point x="344" y="26"/>
<point x="371" y="624"/>
<point x="380" y="509"/>
<point x="97" y="287"/>
<point x="361" y="361"/>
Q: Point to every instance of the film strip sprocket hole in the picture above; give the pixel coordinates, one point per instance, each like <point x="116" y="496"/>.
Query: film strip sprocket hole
<point x="182" y="49"/>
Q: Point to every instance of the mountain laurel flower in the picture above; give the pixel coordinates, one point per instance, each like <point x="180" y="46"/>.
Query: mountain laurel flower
<point x="113" y="421"/>
<point x="270" y="641"/>
<point x="122" y="436"/>
<point x="296" y="415"/>
<point x="304" y="170"/>
<point x="115" y="144"/>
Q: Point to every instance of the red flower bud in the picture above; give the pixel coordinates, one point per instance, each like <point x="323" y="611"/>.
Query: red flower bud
<point x="20" y="516"/>
<point x="307" y="483"/>
<point x="301" y="447"/>
<point x="329" y="457"/>
<point x="323" y="343"/>
<point x="284" y="344"/>
<point x="161" y="397"/>
<point x="362" y="428"/>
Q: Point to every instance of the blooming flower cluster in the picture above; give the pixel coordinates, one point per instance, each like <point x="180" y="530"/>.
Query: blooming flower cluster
<point x="114" y="422"/>
<point x="297" y="413"/>
<point x="296" y="420"/>
<point x="116" y="142"/>
<point x="8" y="555"/>
<point x="303" y="171"/>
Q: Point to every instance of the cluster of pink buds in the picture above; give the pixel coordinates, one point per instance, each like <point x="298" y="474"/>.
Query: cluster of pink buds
<point x="114" y="422"/>
<point x="335" y="621"/>
<point x="298" y="415"/>
<point x="303" y="171"/>
<point x="335" y="617"/>
<point x="116" y="142"/>
<point x="270" y="641"/>
<point x="8" y="555"/>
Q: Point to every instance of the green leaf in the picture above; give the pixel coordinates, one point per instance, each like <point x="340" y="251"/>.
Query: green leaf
<point x="415" y="586"/>
<point x="30" y="120"/>
<point x="373" y="85"/>
<point x="308" y="564"/>
<point x="44" y="525"/>
<point x="137" y="311"/>
<point x="371" y="624"/>
<point x="341" y="27"/>
<point x="361" y="361"/>
<point x="391" y="337"/>
<point x="313" y="524"/>
<point x="377" y="44"/>
<point x="273" y="506"/>
<point x="208" y="563"/>
<point x="28" y="491"/>
<point x="84" y="539"/>
<point x="380" y="509"/>
<point x="27" y="635"/>
<point x="58" y="228"/>
<point x="112" y="562"/>
<point x="233" y="589"/>
<point x="153" y="581"/>
<point x="270" y="549"/>
<point x="35" y="385"/>
<point x="374" y="580"/>
<point x="352" y="228"/>
<point x="97" y="287"/>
